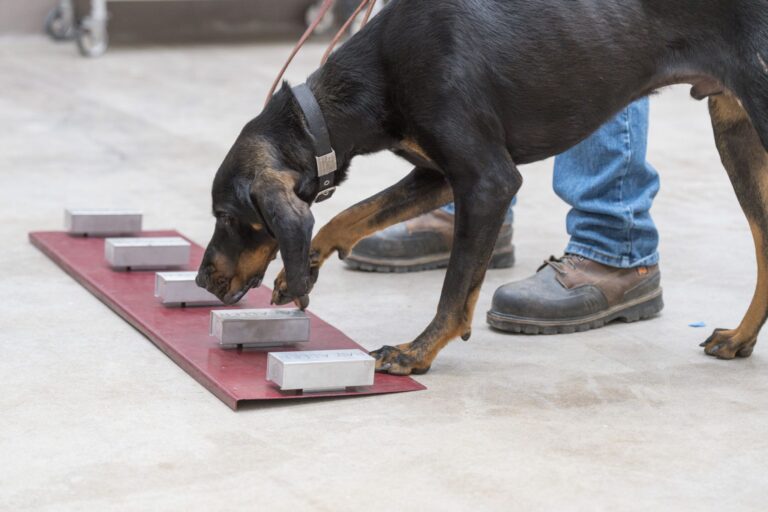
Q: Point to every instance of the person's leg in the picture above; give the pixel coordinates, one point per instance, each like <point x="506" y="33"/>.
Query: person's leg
<point x="610" y="186"/>
<point x="610" y="268"/>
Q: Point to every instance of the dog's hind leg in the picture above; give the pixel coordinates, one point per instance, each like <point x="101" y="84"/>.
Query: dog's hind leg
<point x="422" y="190"/>
<point x="483" y="191"/>
<point x="746" y="160"/>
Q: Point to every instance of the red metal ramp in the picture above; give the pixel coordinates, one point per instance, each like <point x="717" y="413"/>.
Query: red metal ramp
<point x="234" y="376"/>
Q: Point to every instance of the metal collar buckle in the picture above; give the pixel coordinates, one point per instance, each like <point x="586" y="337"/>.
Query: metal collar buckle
<point x="324" y="194"/>
<point x="326" y="166"/>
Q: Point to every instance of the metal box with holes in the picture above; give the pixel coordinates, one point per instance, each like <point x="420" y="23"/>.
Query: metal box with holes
<point x="320" y="370"/>
<point x="259" y="327"/>
<point x="147" y="253"/>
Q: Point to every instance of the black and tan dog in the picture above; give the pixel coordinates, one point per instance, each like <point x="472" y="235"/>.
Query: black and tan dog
<point x="466" y="91"/>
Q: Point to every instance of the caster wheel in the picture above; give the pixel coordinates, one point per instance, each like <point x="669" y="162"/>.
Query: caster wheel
<point x="92" y="38"/>
<point x="60" y="24"/>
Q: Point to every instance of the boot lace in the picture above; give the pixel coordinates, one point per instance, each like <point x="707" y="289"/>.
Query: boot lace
<point x="563" y="264"/>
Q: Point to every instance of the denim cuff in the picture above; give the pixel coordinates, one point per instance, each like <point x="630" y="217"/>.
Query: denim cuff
<point x="611" y="260"/>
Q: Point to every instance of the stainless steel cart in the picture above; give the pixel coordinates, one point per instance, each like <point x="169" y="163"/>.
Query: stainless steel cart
<point x="90" y="31"/>
<point x="88" y="26"/>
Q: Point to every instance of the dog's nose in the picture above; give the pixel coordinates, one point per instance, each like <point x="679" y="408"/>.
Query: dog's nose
<point x="201" y="279"/>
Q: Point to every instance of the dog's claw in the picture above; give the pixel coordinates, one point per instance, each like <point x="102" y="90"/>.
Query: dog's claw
<point x="725" y="344"/>
<point x="711" y="337"/>
<point x="302" y="302"/>
<point x="279" y="298"/>
<point x="397" y="361"/>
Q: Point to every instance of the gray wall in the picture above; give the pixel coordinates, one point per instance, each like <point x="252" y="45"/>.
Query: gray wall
<point x="172" y="20"/>
<point x="23" y="16"/>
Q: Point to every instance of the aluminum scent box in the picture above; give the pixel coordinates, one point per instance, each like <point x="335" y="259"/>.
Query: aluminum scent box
<point x="180" y="289"/>
<point x="320" y="370"/>
<point x="147" y="253"/>
<point x="259" y="327"/>
<point x="102" y="222"/>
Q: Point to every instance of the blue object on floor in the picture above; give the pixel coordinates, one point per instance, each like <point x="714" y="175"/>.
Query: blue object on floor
<point x="697" y="324"/>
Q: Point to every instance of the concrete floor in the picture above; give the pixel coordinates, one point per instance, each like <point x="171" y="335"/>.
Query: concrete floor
<point x="94" y="417"/>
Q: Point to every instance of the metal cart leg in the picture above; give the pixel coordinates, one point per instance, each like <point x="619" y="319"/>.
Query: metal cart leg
<point x="92" y="39"/>
<point x="60" y="22"/>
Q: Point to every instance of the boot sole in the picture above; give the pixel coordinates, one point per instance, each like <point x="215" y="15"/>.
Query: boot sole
<point x="501" y="259"/>
<point x="633" y="311"/>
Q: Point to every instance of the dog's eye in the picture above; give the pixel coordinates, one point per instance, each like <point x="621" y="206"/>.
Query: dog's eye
<point x="226" y="220"/>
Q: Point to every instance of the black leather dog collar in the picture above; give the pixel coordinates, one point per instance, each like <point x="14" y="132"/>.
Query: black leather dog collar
<point x="325" y="156"/>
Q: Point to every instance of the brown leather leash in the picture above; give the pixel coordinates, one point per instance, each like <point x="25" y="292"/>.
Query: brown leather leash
<point x="324" y="8"/>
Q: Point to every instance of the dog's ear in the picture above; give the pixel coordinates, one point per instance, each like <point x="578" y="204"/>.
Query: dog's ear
<point x="289" y="220"/>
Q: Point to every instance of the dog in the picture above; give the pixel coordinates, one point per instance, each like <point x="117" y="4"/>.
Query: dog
<point x="466" y="91"/>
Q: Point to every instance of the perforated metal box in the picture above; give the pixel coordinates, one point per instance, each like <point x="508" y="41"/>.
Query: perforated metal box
<point x="102" y="222"/>
<point x="320" y="370"/>
<point x="259" y="327"/>
<point x="147" y="253"/>
<point x="180" y="289"/>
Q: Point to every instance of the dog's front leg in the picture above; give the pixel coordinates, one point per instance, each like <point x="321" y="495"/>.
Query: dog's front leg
<point x="420" y="191"/>
<point x="481" y="204"/>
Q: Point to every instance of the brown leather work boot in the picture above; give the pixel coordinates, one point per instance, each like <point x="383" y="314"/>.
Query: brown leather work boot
<point x="576" y="294"/>
<point x="422" y="243"/>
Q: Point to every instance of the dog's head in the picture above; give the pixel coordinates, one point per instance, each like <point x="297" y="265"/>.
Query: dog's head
<point x="258" y="211"/>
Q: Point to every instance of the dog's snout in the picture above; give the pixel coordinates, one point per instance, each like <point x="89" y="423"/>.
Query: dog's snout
<point x="203" y="277"/>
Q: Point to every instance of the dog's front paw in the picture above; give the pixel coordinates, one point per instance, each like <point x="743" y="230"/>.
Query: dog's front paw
<point x="281" y="295"/>
<point x="400" y="360"/>
<point x="728" y="344"/>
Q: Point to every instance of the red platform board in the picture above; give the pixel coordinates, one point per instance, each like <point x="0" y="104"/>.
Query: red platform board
<point x="182" y="333"/>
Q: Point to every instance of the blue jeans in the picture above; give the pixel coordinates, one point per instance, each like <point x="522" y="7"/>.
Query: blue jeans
<point x="610" y="187"/>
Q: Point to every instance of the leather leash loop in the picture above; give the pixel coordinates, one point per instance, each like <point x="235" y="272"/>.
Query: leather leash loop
<point x="324" y="8"/>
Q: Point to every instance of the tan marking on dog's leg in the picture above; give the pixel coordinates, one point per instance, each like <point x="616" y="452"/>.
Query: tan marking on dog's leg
<point x="469" y="313"/>
<point x="417" y="357"/>
<point x="459" y="296"/>
<point x="414" y="148"/>
<point x="755" y="315"/>
<point x="409" y="198"/>
<point x="396" y="204"/>
<point x="463" y="327"/>
<point x="746" y="161"/>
